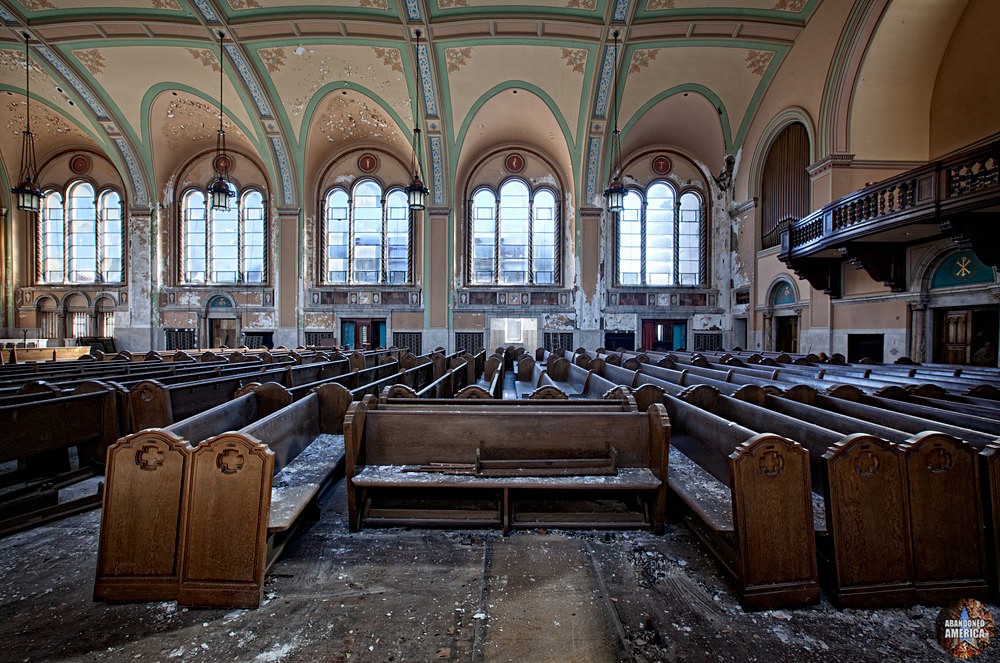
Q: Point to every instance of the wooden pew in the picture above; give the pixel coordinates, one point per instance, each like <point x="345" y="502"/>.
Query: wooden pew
<point x="40" y="436"/>
<point x="747" y="496"/>
<point x="501" y="457"/>
<point x="943" y="497"/>
<point x="138" y="553"/>
<point x="236" y="499"/>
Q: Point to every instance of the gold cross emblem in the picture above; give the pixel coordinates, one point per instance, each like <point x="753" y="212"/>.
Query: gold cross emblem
<point x="963" y="267"/>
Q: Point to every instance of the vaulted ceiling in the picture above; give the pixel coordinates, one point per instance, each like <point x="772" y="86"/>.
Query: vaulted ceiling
<point x="138" y="80"/>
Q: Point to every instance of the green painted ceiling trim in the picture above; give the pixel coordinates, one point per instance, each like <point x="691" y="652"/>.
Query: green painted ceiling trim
<point x="800" y="17"/>
<point x="843" y="50"/>
<point x="105" y="13"/>
<point x="571" y="145"/>
<point x="263" y="152"/>
<point x="779" y="55"/>
<point x="308" y="11"/>
<point x="526" y="10"/>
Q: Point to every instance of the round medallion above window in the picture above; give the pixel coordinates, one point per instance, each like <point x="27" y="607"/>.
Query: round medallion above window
<point x="223" y="163"/>
<point x="661" y="165"/>
<point x="80" y="164"/>
<point x="514" y="163"/>
<point x="367" y="163"/>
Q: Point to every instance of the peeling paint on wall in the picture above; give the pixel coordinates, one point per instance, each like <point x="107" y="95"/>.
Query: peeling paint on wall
<point x="621" y="321"/>
<point x="559" y="321"/>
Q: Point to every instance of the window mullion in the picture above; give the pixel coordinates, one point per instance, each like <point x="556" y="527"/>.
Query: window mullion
<point x="209" y="244"/>
<point x="98" y="241"/>
<point x="643" y="276"/>
<point x="383" y="271"/>
<point x="677" y="240"/>
<point x="240" y="248"/>
<point x="531" y="240"/>
<point x="350" y="240"/>
<point x="496" y="240"/>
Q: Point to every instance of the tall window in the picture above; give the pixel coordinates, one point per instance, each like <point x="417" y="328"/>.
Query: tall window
<point x="367" y="235"/>
<point x="224" y="246"/>
<point x="514" y="237"/>
<point x="81" y="236"/>
<point x="659" y="237"/>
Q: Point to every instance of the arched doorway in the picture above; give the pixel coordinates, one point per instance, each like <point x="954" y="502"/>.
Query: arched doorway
<point x="223" y="322"/>
<point x="781" y="321"/>
<point x="965" y="317"/>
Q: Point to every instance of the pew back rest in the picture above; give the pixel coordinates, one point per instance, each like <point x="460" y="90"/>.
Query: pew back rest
<point x="527" y="434"/>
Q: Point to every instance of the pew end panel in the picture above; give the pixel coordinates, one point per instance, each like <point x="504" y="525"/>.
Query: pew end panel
<point x="773" y="510"/>
<point x="868" y="519"/>
<point x="946" y="518"/>
<point x="225" y="550"/>
<point x="143" y="517"/>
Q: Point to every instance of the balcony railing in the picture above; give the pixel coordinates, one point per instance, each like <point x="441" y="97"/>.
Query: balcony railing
<point x="932" y="193"/>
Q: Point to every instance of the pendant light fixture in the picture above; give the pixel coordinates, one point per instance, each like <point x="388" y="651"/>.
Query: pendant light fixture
<point x="27" y="193"/>
<point x="416" y="192"/>
<point x="219" y="191"/>
<point x="615" y="193"/>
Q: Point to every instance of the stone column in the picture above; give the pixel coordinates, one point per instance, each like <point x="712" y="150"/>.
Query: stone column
<point x="288" y="264"/>
<point x="140" y="329"/>
<point x="918" y="323"/>
<point x="437" y="290"/>
<point x="769" y="330"/>
<point x="591" y="280"/>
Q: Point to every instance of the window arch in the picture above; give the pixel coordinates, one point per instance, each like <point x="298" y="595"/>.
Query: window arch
<point x="659" y="237"/>
<point x="80" y="235"/>
<point x="514" y="236"/>
<point x="367" y="235"/>
<point x="224" y="246"/>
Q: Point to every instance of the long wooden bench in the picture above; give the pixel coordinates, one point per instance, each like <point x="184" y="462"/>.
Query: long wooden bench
<point x="505" y="466"/>
<point x="747" y="496"/>
<point x="943" y="497"/>
<point x="42" y="436"/>
<point x="234" y="501"/>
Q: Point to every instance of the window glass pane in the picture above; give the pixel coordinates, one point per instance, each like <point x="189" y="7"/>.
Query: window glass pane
<point x="82" y="226"/>
<point x="630" y="240"/>
<point x="195" y="237"/>
<point x="110" y="213"/>
<point x="366" y="207"/>
<point x="337" y="236"/>
<point x="514" y="238"/>
<point x="252" y="209"/>
<point x="223" y="244"/>
<point x="397" y="237"/>
<point x="52" y="237"/>
<point x="660" y="235"/>
<point x="689" y="253"/>
<point x="544" y="238"/>
<point x="483" y="236"/>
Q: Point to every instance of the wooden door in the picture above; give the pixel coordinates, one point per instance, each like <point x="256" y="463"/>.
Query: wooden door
<point x="953" y="336"/>
<point x="786" y="333"/>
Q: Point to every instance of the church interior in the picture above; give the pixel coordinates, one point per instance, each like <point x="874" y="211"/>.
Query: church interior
<point x="348" y="195"/>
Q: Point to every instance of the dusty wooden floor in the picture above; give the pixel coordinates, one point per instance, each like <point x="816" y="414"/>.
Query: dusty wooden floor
<point x="398" y="595"/>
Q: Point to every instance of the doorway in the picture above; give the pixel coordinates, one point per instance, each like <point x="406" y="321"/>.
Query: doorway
<point x="966" y="336"/>
<point x="362" y="333"/>
<point x="664" y="335"/>
<point x="786" y="333"/>
<point x="224" y="332"/>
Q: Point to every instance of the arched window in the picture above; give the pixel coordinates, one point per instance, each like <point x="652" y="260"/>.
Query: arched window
<point x="514" y="238"/>
<point x="659" y="237"/>
<point x="81" y="236"/>
<point x="224" y="246"/>
<point x="367" y="235"/>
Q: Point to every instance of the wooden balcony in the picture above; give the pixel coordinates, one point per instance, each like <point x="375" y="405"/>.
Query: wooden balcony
<point x="958" y="197"/>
